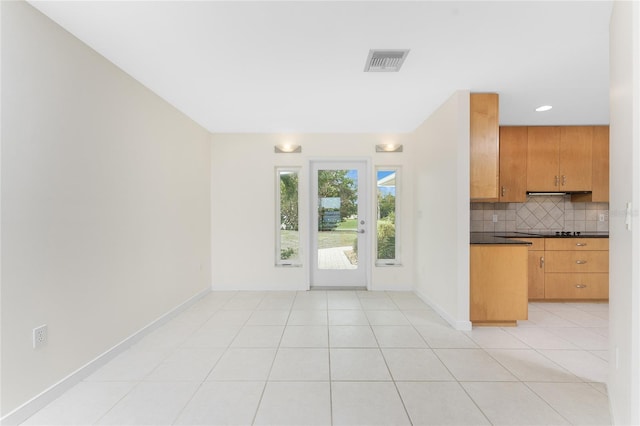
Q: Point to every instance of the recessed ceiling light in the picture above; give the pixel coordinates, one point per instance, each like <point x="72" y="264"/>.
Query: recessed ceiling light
<point x="544" y="108"/>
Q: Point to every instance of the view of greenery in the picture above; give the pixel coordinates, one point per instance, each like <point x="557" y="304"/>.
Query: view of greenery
<point x="289" y="201"/>
<point x="337" y="230"/>
<point x="386" y="227"/>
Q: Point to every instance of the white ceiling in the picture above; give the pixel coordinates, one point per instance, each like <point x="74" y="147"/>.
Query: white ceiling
<point x="267" y="66"/>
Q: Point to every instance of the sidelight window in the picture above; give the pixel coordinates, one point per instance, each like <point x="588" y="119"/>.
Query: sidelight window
<point x="287" y="216"/>
<point x="388" y="179"/>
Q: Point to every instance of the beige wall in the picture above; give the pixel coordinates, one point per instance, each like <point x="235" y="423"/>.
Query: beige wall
<point x="441" y="192"/>
<point x="244" y="228"/>
<point x="105" y="204"/>
<point x="624" y="292"/>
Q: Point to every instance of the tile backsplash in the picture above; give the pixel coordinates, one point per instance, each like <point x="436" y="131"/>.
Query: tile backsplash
<point x="540" y="213"/>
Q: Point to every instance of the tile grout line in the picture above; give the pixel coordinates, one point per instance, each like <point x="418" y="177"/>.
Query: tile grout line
<point x="204" y="380"/>
<point x="139" y="382"/>
<point x="275" y="355"/>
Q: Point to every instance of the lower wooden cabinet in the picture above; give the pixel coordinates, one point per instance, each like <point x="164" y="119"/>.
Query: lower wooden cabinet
<point x="498" y="278"/>
<point x="577" y="286"/>
<point x="568" y="268"/>
<point x="576" y="261"/>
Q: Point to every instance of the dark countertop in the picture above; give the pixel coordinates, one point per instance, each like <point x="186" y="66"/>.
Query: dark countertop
<point x="506" y="237"/>
<point x="493" y="238"/>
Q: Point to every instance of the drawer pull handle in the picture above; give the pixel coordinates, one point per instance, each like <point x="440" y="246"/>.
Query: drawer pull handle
<point x="581" y="262"/>
<point x="581" y="286"/>
<point x="581" y="244"/>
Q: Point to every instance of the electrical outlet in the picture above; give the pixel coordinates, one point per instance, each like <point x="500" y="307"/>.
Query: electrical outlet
<point x="495" y="218"/>
<point x="40" y="336"/>
<point x="601" y="217"/>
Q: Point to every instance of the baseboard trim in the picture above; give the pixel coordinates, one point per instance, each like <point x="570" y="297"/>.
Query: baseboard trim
<point x="41" y="400"/>
<point x="461" y="325"/>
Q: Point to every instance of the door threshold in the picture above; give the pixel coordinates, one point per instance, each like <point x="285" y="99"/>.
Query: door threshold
<point x="345" y="288"/>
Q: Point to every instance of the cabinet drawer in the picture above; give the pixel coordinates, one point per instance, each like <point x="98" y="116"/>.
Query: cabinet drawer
<point x="582" y="244"/>
<point x="576" y="286"/>
<point x="576" y="261"/>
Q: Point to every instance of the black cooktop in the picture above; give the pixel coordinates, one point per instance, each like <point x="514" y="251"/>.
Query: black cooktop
<point x="565" y="234"/>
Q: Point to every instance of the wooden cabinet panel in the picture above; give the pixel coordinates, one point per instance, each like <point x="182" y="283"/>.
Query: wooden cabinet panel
<point x="498" y="277"/>
<point x="577" y="286"/>
<point x="559" y="158"/>
<point x="543" y="158"/>
<point x="536" y="275"/>
<point x="535" y="267"/>
<point x="513" y="164"/>
<point x="579" y="244"/>
<point x="484" y="147"/>
<point x="574" y="261"/>
<point x="600" y="185"/>
<point x="575" y="158"/>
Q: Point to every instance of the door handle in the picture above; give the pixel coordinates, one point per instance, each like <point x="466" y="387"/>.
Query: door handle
<point x="360" y="231"/>
<point x="541" y="262"/>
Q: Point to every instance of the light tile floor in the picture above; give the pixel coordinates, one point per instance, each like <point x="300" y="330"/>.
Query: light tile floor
<point x="348" y="358"/>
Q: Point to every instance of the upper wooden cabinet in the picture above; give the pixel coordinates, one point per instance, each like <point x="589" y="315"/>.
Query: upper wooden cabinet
<point x="600" y="186"/>
<point x="484" y="147"/>
<point x="559" y="158"/>
<point x="513" y="164"/>
<point x="576" y="156"/>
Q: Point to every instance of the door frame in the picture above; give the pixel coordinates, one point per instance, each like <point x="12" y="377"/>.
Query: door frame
<point x="365" y="251"/>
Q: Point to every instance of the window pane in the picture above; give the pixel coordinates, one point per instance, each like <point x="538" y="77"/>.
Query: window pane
<point x="337" y="219"/>
<point x="289" y="234"/>
<point x="386" y="226"/>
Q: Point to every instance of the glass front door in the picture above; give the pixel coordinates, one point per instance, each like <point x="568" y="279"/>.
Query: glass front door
<point x="339" y="240"/>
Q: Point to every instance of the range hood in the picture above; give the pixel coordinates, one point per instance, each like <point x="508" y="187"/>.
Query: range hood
<point x="547" y="194"/>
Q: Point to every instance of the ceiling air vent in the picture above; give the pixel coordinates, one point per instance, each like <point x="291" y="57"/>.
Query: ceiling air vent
<point x="389" y="60"/>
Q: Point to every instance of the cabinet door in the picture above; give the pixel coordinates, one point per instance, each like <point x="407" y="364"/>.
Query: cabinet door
<point x="575" y="158"/>
<point x="484" y="147"/>
<point x="536" y="274"/>
<point x="513" y="164"/>
<point x="543" y="150"/>
<point x="498" y="283"/>
<point x="600" y="151"/>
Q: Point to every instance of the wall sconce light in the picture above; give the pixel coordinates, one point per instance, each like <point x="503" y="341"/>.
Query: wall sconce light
<point x="287" y="149"/>
<point x="389" y="147"/>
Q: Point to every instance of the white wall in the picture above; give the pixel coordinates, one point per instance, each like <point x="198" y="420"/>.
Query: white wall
<point x="105" y="204"/>
<point x="441" y="193"/>
<point x="243" y="226"/>
<point x="624" y="282"/>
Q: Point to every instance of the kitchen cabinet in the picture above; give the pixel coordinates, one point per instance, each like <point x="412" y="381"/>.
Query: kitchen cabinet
<point x="535" y="268"/>
<point x="513" y="164"/>
<point x="559" y="158"/>
<point x="498" y="279"/>
<point x="484" y="147"/>
<point x="577" y="268"/>
<point x="600" y="168"/>
<point x="600" y="185"/>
